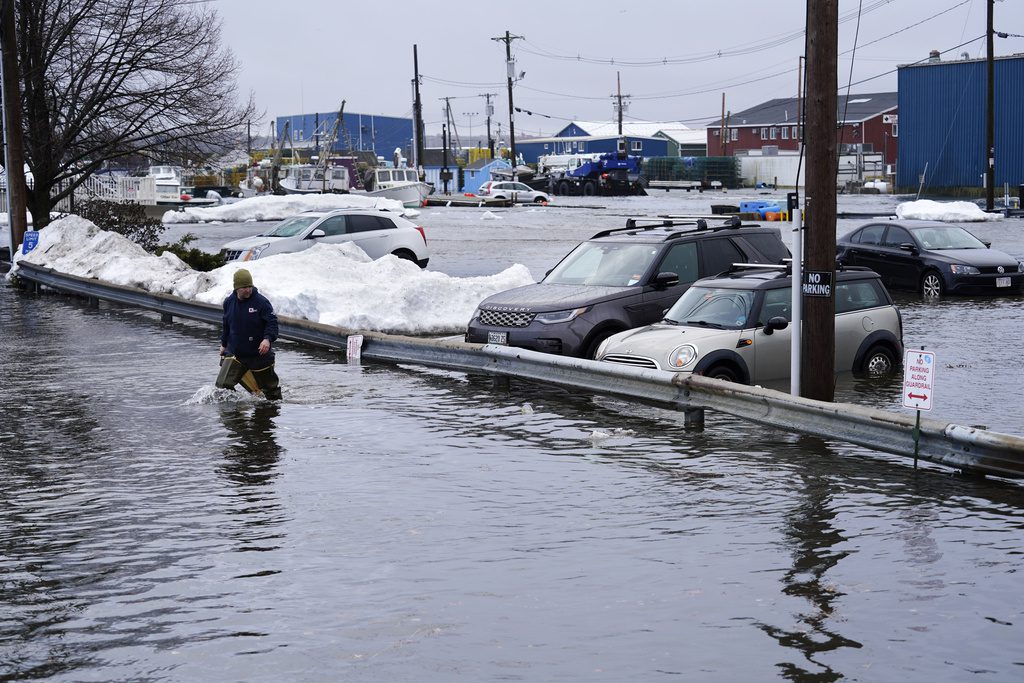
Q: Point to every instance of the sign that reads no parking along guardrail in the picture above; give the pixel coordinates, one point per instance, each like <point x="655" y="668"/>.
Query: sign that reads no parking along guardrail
<point x="918" y="379"/>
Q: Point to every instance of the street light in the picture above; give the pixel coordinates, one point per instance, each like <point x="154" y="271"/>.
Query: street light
<point x="471" y="114"/>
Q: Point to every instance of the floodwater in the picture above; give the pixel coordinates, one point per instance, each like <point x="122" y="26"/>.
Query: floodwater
<point x="397" y="523"/>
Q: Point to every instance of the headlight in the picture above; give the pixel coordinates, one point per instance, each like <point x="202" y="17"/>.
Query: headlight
<point x="960" y="269"/>
<point x="602" y="348"/>
<point x="682" y="356"/>
<point x="475" y="316"/>
<point x="254" y="253"/>
<point x="560" y="316"/>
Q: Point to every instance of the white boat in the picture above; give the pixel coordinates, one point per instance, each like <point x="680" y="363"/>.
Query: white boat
<point x="401" y="184"/>
<point x="310" y="179"/>
<point x="170" y="190"/>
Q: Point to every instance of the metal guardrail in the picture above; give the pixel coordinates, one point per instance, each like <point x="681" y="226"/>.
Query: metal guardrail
<point x="967" y="448"/>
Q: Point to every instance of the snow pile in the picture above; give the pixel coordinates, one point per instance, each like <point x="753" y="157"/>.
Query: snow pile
<point x="948" y="212"/>
<point x="277" y="207"/>
<point x="333" y="284"/>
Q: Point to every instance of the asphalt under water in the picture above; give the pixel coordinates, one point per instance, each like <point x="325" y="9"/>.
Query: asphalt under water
<point x="388" y="523"/>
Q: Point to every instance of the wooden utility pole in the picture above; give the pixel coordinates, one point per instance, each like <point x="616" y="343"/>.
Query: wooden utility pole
<point x="990" y="117"/>
<point x="817" y="374"/>
<point x="490" y="112"/>
<point x="14" y="158"/>
<point x="723" y="130"/>
<point x="510" y="68"/>
<point x="618" y="104"/>
<point x="417" y="114"/>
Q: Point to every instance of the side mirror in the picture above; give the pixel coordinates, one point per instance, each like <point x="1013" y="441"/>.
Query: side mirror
<point x="988" y="245"/>
<point x="664" y="280"/>
<point x="776" y="323"/>
<point x="317" y="232"/>
<point x="907" y="246"/>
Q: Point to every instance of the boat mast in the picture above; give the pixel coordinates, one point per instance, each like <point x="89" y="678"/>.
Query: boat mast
<point x="417" y="109"/>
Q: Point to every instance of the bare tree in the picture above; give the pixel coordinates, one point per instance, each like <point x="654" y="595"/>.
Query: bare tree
<point x="103" y="79"/>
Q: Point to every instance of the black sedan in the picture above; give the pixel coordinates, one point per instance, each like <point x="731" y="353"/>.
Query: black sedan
<point x="930" y="257"/>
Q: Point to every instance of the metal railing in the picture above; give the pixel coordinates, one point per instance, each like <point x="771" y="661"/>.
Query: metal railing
<point x="967" y="448"/>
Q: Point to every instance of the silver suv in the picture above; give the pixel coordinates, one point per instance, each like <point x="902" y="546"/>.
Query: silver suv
<point x="736" y="327"/>
<point x="617" y="280"/>
<point x="375" y="231"/>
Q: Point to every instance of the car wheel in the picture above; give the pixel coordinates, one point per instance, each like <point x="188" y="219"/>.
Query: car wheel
<point x="591" y="349"/>
<point x="879" y="362"/>
<point x="405" y="255"/>
<point x="931" y="284"/>
<point x="722" y="372"/>
<point x="540" y="200"/>
<point x="563" y="188"/>
<point x="590" y="188"/>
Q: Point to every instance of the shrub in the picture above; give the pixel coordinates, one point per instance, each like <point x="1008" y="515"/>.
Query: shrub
<point x="125" y="218"/>
<point x="196" y="258"/>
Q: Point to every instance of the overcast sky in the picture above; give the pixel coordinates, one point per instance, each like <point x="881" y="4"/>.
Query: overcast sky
<point x="675" y="58"/>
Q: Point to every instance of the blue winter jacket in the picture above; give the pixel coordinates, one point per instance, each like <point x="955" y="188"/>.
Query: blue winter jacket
<point x="247" y="323"/>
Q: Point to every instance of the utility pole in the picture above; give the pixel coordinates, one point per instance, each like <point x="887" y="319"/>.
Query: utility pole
<point x="724" y="129"/>
<point x="990" y="116"/>
<point x="619" y="108"/>
<point x="510" y="68"/>
<point x="14" y="146"/>
<point x="417" y="114"/>
<point x="445" y="173"/>
<point x="489" y="111"/>
<point x="817" y="374"/>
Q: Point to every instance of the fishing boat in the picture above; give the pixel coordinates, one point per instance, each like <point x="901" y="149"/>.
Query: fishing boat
<point x="170" y="190"/>
<point x="314" y="179"/>
<point x="401" y="184"/>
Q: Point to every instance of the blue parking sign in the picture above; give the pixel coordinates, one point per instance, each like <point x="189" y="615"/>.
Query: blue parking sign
<point x="30" y="241"/>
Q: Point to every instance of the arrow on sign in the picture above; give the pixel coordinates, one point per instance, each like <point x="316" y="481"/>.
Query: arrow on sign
<point x="923" y="397"/>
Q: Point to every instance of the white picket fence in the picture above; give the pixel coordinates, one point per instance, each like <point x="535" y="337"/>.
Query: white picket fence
<point x="113" y="189"/>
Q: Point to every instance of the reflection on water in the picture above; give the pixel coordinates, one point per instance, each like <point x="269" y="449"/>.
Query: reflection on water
<point x="401" y="523"/>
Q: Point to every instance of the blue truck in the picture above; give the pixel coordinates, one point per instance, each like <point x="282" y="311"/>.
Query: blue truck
<point x="611" y="175"/>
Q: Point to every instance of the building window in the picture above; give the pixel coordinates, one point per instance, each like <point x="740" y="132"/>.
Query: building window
<point x="764" y="133"/>
<point x="773" y="133"/>
<point x="583" y="146"/>
<point x="545" y="146"/>
<point x="796" y="135"/>
<point x="785" y="132"/>
<point x="636" y="145"/>
<point x="734" y="134"/>
<point x="715" y="132"/>
<point x="895" y="130"/>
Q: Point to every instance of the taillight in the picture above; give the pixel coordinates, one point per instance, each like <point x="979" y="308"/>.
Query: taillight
<point x="423" y="234"/>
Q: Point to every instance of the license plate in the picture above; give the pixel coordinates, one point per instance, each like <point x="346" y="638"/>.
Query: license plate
<point x="1002" y="282"/>
<point x="497" y="337"/>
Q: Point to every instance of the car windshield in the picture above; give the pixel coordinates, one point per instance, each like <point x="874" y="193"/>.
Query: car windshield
<point x="608" y="264"/>
<point x="949" y="237"/>
<point x="292" y="226"/>
<point x="727" y="309"/>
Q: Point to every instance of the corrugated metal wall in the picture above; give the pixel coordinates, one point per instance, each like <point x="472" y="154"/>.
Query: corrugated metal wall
<point x="942" y="124"/>
<point x="364" y="132"/>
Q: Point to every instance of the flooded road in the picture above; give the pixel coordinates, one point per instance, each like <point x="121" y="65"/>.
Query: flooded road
<point x="392" y="523"/>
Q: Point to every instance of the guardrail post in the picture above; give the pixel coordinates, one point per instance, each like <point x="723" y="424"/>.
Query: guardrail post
<point x="93" y="302"/>
<point x="166" y="318"/>
<point x="693" y="418"/>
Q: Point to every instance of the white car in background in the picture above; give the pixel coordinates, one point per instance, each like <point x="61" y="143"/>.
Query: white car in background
<point x="514" y="191"/>
<point x="375" y="231"/>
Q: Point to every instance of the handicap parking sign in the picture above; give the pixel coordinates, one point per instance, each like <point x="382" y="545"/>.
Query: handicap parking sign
<point x="30" y="241"/>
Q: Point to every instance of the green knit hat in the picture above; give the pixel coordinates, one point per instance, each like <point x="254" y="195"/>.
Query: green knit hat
<point x="243" y="278"/>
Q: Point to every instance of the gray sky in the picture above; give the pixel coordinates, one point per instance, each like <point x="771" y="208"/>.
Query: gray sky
<point x="675" y="58"/>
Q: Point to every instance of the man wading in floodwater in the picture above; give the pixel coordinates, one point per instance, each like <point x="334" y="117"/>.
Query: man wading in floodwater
<point x="250" y="326"/>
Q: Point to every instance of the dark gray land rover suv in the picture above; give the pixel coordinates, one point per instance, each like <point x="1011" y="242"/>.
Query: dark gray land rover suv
<point x="617" y="280"/>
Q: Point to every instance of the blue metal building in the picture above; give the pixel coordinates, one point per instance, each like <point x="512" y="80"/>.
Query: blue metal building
<point x="942" y="107"/>
<point x="595" y="138"/>
<point x="358" y="132"/>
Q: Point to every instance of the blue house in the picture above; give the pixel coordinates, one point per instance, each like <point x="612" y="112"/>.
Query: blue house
<point x="581" y="137"/>
<point x="942" y="117"/>
<point x="357" y="132"/>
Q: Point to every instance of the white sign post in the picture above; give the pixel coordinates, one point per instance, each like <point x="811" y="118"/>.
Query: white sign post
<point x="918" y="387"/>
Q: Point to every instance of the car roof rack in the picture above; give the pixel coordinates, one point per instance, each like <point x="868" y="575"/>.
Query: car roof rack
<point x="633" y="225"/>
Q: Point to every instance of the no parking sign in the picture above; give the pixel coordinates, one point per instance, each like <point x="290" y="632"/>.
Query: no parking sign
<point x="918" y="379"/>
